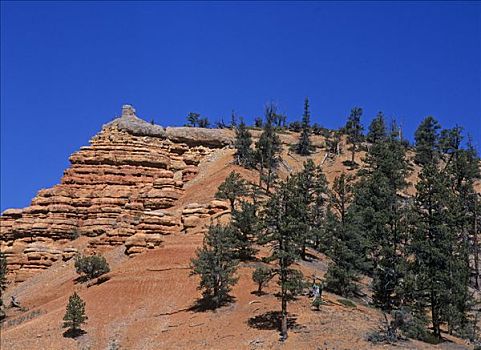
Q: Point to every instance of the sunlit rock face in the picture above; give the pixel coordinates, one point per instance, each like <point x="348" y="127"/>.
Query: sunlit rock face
<point x="117" y="191"/>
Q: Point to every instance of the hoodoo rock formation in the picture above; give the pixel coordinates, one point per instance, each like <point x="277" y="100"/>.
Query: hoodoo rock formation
<point x="117" y="191"/>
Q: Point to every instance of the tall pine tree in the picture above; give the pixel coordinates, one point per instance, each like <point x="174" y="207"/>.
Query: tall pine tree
<point x="282" y="224"/>
<point x="268" y="149"/>
<point x="380" y="212"/>
<point x="243" y="140"/>
<point x="427" y="141"/>
<point x="354" y="130"/>
<point x="304" y="146"/>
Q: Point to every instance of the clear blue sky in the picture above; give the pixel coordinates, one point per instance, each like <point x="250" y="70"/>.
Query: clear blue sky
<point x="66" y="68"/>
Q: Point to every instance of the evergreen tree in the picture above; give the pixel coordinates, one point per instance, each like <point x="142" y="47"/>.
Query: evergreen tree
<point x="233" y="120"/>
<point x="377" y="129"/>
<point x="318" y="208"/>
<point x="232" y="189"/>
<point x="380" y="213"/>
<point x="243" y="140"/>
<point x="193" y="119"/>
<point x="215" y="264"/>
<point x="262" y="275"/>
<point x="282" y="224"/>
<point x="462" y="169"/>
<point x="432" y="243"/>
<point x="246" y="225"/>
<point x="354" y="130"/>
<point x="204" y="123"/>
<point x="268" y="149"/>
<point x="312" y="188"/>
<point x="427" y="141"/>
<point x="258" y="122"/>
<point x="75" y="315"/>
<point x="344" y="245"/>
<point x="304" y="146"/>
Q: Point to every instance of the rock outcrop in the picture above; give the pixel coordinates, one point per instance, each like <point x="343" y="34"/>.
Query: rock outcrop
<point x="117" y="191"/>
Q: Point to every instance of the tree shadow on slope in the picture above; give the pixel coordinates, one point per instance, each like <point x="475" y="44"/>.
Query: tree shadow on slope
<point x="271" y="320"/>
<point x="209" y="304"/>
<point x="73" y="333"/>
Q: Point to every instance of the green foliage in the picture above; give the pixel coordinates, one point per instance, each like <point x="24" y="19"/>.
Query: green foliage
<point x="268" y="149"/>
<point x="312" y="188"/>
<point x="347" y="302"/>
<point x="258" y="123"/>
<point x="427" y="141"/>
<point x="204" y="123"/>
<point x="295" y="126"/>
<point x="333" y="143"/>
<point x="377" y="129"/>
<point x="244" y="155"/>
<point x="91" y="266"/>
<point x="215" y="264"/>
<point x="232" y="189"/>
<point x="193" y="119"/>
<point x="436" y="268"/>
<point x="282" y="224"/>
<point x="345" y="246"/>
<point x="304" y="147"/>
<point x="262" y="275"/>
<point x="75" y="314"/>
<point x="380" y="214"/>
<point x="246" y="227"/>
<point x="354" y="130"/>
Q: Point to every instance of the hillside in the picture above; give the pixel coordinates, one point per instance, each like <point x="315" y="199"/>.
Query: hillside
<point x="143" y="195"/>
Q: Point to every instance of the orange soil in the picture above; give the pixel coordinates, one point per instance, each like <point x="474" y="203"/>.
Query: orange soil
<point x="148" y="303"/>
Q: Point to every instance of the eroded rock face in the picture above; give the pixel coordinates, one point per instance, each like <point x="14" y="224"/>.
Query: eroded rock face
<point x="116" y="191"/>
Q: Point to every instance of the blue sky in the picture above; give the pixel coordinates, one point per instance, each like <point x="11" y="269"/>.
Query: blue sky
<point x="67" y="67"/>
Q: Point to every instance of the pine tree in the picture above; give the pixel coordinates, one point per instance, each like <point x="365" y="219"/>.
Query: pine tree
<point x="377" y="129"/>
<point x="193" y="119"/>
<point x="215" y="264"/>
<point x="312" y="187"/>
<point x="462" y="168"/>
<point x="380" y="212"/>
<point x="282" y="223"/>
<point x="204" y="123"/>
<point x="268" y="149"/>
<point x="262" y="275"/>
<point x="246" y="225"/>
<point x="243" y="140"/>
<point x="427" y="141"/>
<point x="345" y="245"/>
<point x="232" y="189"/>
<point x="75" y="315"/>
<point x="233" y="120"/>
<point x="431" y="244"/>
<point x="354" y="130"/>
<point x="304" y="146"/>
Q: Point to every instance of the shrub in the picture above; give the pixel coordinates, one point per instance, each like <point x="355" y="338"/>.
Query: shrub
<point x="91" y="266"/>
<point x="347" y="302"/>
<point x="262" y="275"/>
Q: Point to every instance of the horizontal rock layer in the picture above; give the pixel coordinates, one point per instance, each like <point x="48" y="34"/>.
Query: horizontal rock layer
<point x="117" y="191"/>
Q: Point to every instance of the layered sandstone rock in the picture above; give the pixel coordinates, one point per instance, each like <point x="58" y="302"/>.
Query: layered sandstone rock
<point x="117" y="190"/>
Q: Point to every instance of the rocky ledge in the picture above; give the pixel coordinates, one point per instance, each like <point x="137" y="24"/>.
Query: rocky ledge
<point x="118" y="190"/>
